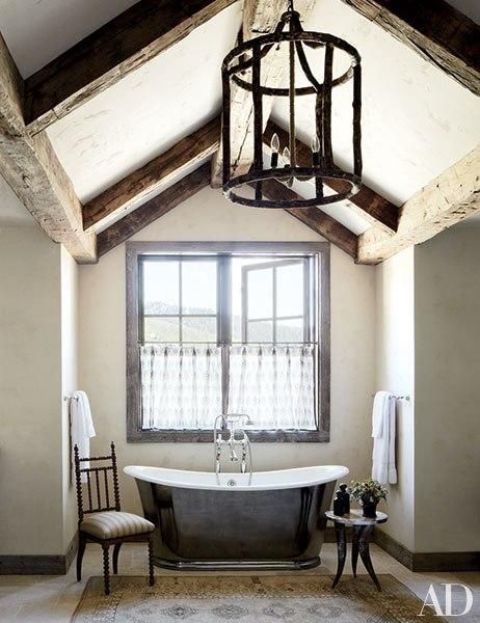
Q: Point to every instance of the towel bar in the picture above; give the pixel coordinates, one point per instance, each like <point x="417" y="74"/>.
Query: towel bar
<point x="397" y="397"/>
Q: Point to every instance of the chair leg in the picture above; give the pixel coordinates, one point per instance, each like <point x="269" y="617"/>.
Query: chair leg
<point x="116" y="550"/>
<point x="82" y="542"/>
<point x="106" y="570"/>
<point x="151" y="577"/>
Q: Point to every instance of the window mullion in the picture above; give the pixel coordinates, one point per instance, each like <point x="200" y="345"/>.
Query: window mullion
<point x="244" y="299"/>
<point x="307" y="311"/>
<point x="224" y="309"/>
<point x="274" y="309"/>
<point x="141" y="303"/>
<point x="180" y="302"/>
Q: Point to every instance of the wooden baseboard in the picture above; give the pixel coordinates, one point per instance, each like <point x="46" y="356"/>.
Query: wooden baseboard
<point x="32" y="565"/>
<point x="427" y="561"/>
<point x="71" y="551"/>
<point x="394" y="548"/>
<point x="39" y="565"/>
<point x="446" y="561"/>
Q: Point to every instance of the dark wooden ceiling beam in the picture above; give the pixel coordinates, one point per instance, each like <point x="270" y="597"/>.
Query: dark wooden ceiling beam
<point x="367" y="203"/>
<point x="106" y="56"/>
<point x="447" y="200"/>
<point x="144" y="182"/>
<point x="435" y="30"/>
<point x="314" y="218"/>
<point x="153" y="209"/>
<point x="33" y="171"/>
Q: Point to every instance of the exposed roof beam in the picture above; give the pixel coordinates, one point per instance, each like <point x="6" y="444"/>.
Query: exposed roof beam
<point x="367" y="203"/>
<point x="145" y="181"/>
<point x="31" y="167"/>
<point x="438" y="32"/>
<point x="109" y="54"/>
<point x="153" y="209"/>
<point x="321" y="223"/>
<point x="259" y="17"/>
<point x="450" y="198"/>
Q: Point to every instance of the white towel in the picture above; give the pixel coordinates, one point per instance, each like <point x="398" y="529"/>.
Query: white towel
<point x="82" y="425"/>
<point x="383" y="432"/>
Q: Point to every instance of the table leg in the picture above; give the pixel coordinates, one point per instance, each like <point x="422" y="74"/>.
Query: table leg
<point x="341" y="551"/>
<point x="365" y="534"/>
<point x="356" y="530"/>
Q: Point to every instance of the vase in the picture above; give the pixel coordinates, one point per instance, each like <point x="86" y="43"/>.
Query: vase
<point x="369" y="508"/>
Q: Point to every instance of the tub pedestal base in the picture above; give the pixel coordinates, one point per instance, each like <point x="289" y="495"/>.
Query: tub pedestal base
<point x="237" y="565"/>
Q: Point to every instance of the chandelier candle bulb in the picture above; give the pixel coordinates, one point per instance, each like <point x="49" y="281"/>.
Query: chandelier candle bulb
<point x="275" y="147"/>
<point x="316" y="163"/>
<point x="287" y="157"/>
<point x="315" y="151"/>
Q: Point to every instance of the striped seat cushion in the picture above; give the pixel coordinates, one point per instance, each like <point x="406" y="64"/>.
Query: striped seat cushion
<point x="113" y="524"/>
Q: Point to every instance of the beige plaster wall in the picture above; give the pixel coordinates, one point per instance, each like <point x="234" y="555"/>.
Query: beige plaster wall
<point x="30" y="393"/>
<point x="395" y="358"/>
<point x="447" y="413"/>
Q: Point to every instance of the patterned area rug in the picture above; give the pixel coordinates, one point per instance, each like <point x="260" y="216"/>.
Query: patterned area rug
<point x="250" y="599"/>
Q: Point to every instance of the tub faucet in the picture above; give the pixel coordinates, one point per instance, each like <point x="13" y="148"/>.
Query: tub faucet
<point x="232" y="424"/>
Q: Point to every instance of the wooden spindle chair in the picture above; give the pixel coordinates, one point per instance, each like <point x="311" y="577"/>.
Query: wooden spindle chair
<point x="100" y="519"/>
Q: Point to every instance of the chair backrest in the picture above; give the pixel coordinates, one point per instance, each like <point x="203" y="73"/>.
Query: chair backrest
<point x="99" y="491"/>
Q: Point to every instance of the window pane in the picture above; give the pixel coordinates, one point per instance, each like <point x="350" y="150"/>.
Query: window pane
<point x="160" y="287"/>
<point x="290" y="330"/>
<point x="161" y="330"/>
<point x="290" y="290"/>
<point x="199" y="287"/>
<point x="260" y="293"/>
<point x="260" y="331"/>
<point x="199" y="329"/>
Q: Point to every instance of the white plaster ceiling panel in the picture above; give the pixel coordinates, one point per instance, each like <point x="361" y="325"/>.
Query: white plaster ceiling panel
<point x="148" y="111"/>
<point x="37" y="31"/>
<point x="416" y="121"/>
<point x="12" y="210"/>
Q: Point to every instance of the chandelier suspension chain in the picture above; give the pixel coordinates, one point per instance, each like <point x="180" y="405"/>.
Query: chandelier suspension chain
<point x="293" y="158"/>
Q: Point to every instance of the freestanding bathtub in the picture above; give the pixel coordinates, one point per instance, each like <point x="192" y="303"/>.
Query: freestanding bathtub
<point x="271" y="520"/>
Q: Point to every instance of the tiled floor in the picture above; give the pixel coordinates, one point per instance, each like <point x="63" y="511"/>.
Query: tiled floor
<point x="52" y="599"/>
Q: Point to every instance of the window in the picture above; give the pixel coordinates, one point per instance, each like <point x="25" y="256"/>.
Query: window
<point x="227" y="327"/>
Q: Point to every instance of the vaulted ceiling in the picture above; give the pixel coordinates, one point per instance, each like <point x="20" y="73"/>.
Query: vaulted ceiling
<point x="100" y="139"/>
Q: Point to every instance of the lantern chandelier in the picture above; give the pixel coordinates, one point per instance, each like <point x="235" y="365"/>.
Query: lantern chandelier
<point x="243" y="69"/>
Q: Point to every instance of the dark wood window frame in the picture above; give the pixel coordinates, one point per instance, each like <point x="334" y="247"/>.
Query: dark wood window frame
<point x="135" y="250"/>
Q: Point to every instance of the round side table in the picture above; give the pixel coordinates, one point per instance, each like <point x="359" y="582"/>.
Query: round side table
<point x="362" y="530"/>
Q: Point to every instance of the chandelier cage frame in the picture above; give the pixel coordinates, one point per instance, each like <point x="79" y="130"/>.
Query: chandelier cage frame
<point x="248" y="56"/>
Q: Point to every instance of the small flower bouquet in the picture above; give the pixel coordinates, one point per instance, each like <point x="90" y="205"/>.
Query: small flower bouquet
<point x="368" y="493"/>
